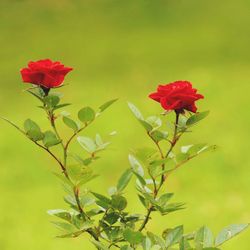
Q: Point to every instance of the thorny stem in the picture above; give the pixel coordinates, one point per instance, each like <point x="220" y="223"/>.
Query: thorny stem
<point x="163" y="177"/>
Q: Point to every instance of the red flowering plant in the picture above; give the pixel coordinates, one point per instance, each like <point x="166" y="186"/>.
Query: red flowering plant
<point x="105" y="217"/>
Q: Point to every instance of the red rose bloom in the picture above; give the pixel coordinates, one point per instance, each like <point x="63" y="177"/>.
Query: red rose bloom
<point x="45" y="73"/>
<point x="178" y="96"/>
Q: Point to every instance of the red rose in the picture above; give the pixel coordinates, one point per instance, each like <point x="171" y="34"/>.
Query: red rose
<point x="45" y="73"/>
<point x="178" y="96"/>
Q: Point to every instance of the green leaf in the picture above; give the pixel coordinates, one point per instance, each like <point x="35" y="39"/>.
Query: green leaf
<point x="204" y="238"/>
<point x="99" y="245"/>
<point x="118" y="202"/>
<point x="87" y="143"/>
<point x="184" y="244"/>
<point x="132" y="237"/>
<point x="135" y="111"/>
<point x="107" y="104"/>
<point x="64" y="179"/>
<point x="71" y="235"/>
<point x="36" y="94"/>
<point x="124" y="180"/>
<point x="51" y="100"/>
<point x="196" y="118"/>
<point x="29" y="124"/>
<point x="60" y="213"/>
<point x="146" y="125"/>
<point x="174" y="236"/>
<point x="146" y="243"/>
<point x="157" y="240"/>
<point x="86" y="114"/>
<point x="158" y="135"/>
<point x="154" y="121"/>
<point x="70" y="123"/>
<point x="135" y="164"/>
<point x="61" y="106"/>
<point x="126" y="247"/>
<point x="32" y="130"/>
<point x="144" y="202"/>
<point x="111" y="217"/>
<point x="102" y="201"/>
<point x="50" y="139"/>
<point x="66" y="227"/>
<point x="229" y="232"/>
<point x="162" y="201"/>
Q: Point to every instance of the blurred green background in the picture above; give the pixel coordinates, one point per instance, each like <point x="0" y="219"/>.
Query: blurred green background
<point x="124" y="49"/>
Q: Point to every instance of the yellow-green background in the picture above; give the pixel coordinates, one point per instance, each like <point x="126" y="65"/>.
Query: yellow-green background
<point x="124" y="49"/>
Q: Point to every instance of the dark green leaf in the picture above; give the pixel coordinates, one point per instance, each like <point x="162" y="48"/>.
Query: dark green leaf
<point x="103" y="201"/>
<point x="118" y="202"/>
<point x="111" y="218"/>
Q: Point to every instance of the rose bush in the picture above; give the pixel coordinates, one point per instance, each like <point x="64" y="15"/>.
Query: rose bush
<point x="178" y="96"/>
<point x="105" y="217"/>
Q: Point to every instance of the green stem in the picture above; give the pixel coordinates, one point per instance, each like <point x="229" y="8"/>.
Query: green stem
<point x="163" y="177"/>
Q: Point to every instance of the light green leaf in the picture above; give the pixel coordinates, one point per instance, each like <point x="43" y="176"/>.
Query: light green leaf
<point x="124" y="180"/>
<point x="135" y="164"/>
<point x="87" y="143"/>
<point x="204" y="238"/>
<point x="196" y="118"/>
<point x="135" y="111"/>
<point x="157" y="240"/>
<point x="86" y="114"/>
<point x="126" y="247"/>
<point x="107" y="104"/>
<point x="154" y="121"/>
<point x="60" y="213"/>
<point x="229" y="232"/>
<point x="174" y="235"/>
<point x="99" y="245"/>
<point x="146" y="243"/>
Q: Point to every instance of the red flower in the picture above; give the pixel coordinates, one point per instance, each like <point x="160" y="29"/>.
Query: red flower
<point x="45" y="73"/>
<point x="178" y="96"/>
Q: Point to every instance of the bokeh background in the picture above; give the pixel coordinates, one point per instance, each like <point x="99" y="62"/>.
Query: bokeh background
<point x="124" y="49"/>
